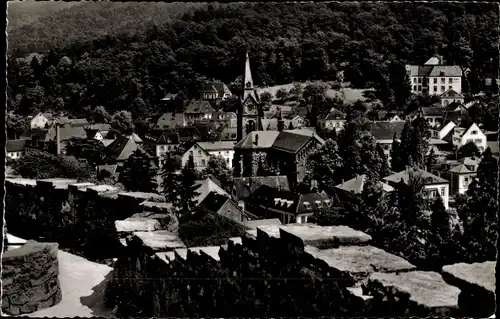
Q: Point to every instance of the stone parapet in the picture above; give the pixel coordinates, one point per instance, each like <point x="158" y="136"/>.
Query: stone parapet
<point x="30" y="278"/>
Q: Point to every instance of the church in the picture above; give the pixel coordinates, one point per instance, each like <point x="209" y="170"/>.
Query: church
<point x="268" y="155"/>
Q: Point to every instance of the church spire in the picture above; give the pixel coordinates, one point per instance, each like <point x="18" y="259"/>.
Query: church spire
<point x="248" y="88"/>
<point x="247" y="77"/>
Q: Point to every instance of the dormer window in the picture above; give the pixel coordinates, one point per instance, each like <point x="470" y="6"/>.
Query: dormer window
<point x="307" y="205"/>
<point x="474" y="132"/>
<point x="328" y="203"/>
<point x="277" y="201"/>
<point x="318" y="204"/>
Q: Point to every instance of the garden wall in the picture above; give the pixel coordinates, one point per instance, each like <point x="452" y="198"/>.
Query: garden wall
<point x="290" y="270"/>
<point x="30" y="278"/>
<point x="78" y="216"/>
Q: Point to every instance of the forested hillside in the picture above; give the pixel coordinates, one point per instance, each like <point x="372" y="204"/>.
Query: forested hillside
<point x="42" y="25"/>
<point x="287" y="42"/>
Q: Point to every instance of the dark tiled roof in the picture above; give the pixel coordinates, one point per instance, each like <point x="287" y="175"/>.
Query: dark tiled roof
<point x="67" y="132"/>
<point x="218" y="87"/>
<point x="168" y="137"/>
<point x="288" y="201"/>
<point x="385" y="130"/>
<point x="199" y="106"/>
<point x="213" y="202"/>
<point x="405" y="176"/>
<point x="433" y="111"/>
<point x="188" y="133"/>
<point x="446" y="70"/>
<point x="290" y="142"/>
<point x="335" y="115"/>
<point x="245" y="186"/>
<point x="258" y="139"/>
<point x="15" y="145"/>
<point x="451" y="94"/>
<point x="121" y="148"/>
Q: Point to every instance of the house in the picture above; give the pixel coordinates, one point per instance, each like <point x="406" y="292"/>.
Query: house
<point x="120" y="150"/>
<point x="39" y="120"/>
<point x="64" y="120"/>
<point x="384" y="116"/>
<point x="46" y="138"/>
<point x="173" y="102"/>
<point x="198" y="110"/>
<point x="226" y="133"/>
<point x="207" y="186"/>
<point x="492" y="142"/>
<point x="460" y="136"/>
<point x="164" y="144"/>
<point x="264" y="153"/>
<point x="433" y="185"/>
<point x="201" y="152"/>
<point x="334" y="120"/>
<point x="15" y="148"/>
<point x="384" y="133"/>
<point x="433" y="115"/>
<point x="225" y="119"/>
<point x="222" y="205"/>
<point x="451" y="96"/>
<point x="355" y="186"/>
<point x="97" y="131"/>
<point x="215" y="91"/>
<point x="434" y="78"/>
<point x="463" y="174"/>
<point x="289" y="207"/>
<point x="171" y="120"/>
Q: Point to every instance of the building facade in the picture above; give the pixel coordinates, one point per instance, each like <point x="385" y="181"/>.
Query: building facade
<point x="434" y="78"/>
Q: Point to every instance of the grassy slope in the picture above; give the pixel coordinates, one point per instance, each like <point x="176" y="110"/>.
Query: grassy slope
<point x="53" y="28"/>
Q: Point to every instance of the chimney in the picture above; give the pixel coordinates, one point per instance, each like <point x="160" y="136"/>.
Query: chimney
<point x="58" y="140"/>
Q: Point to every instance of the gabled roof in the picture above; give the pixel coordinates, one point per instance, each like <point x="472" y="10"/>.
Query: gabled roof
<point x="356" y="185"/>
<point x="385" y="130"/>
<point x="199" y="106"/>
<point x="335" y="115"/>
<point x="217" y="146"/>
<point x="460" y="169"/>
<point x="290" y="142"/>
<point x="169" y="97"/>
<point x="286" y="201"/>
<point x="258" y="139"/>
<point x="67" y="132"/>
<point x="207" y="186"/>
<point x="433" y="111"/>
<point x="214" y="201"/>
<point x="451" y="94"/>
<point x="135" y="137"/>
<point x="168" y="137"/>
<point x="245" y="186"/>
<point x="446" y="70"/>
<point x="15" y="145"/>
<point x="216" y="87"/>
<point x="405" y="176"/>
<point x="121" y="148"/>
<point x="416" y="70"/>
<point x="171" y="120"/>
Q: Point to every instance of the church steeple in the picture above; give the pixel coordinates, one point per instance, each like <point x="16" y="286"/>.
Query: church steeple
<point x="248" y="88"/>
<point x="247" y="77"/>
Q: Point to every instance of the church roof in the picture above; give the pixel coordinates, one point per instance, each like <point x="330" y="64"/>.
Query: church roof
<point x="290" y="142"/>
<point x="258" y="139"/>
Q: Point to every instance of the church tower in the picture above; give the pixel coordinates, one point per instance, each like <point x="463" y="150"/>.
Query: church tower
<point x="249" y="107"/>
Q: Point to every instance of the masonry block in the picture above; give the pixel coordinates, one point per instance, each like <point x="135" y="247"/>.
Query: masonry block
<point x="322" y="237"/>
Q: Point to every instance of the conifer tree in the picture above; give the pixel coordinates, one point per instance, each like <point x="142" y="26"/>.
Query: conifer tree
<point x="170" y="180"/>
<point x="186" y="202"/>
<point x="397" y="164"/>
<point x="138" y="174"/>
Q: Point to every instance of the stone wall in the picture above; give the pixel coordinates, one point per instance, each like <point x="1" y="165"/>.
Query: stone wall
<point x="290" y="270"/>
<point x="79" y="216"/>
<point x="30" y="278"/>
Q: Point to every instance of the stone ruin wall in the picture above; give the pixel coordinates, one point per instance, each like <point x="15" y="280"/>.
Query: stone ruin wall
<point x="291" y="270"/>
<point x="73" y="214"/>
<point x="30" y="278"/>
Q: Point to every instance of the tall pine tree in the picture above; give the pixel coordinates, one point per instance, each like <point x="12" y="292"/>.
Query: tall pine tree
<point x="170" y="180"/>
<point x="397" y="164"/>
<point x="187" y="193"/>
<point x="138" y="174"/>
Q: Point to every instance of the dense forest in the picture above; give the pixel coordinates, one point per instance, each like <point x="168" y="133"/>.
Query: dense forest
<point x="132" y="62"/>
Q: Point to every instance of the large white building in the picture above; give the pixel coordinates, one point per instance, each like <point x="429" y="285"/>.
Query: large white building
<point x="434" y="78"/>
<point x="201" y="152"/>
<point x="473" y="134"/>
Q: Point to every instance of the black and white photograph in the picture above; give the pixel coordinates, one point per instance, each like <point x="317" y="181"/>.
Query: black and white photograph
<point x="251" y="159"/>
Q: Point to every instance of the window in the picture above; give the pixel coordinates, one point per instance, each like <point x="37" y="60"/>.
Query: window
<point x="307" y="205"/>
<point x="414" y="88"/>
<point x="446" y="102"/>
<point x="419" y="80"/>
<point x="199" y="152"/>
<point x="227" y="160"/>
<point x="450" y="80"/>
<point x="420" y="88"/>
<point x="414" y="80"/>
<point x="469" y="141"/>
<point x="442" y="89"/>
<point x="386" y="147"/>
<point x="220" y="153"/>
<point x="202" y="162"/>
<point x="435" y="88"/>
<point x="466" y="181"/>
<point x="478" y="141"/>
<point x="432" y="193"/>
<point x="442" y="191"/>
<point x="443" y="80"/>
<point x="450" y="87"/>
<point x="474" y="132"/>
<point x="481" y="149"/>
<point x="435" y="81"/>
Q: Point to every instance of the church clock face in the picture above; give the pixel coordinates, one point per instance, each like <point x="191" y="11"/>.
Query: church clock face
<point x="249" y="108"/>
